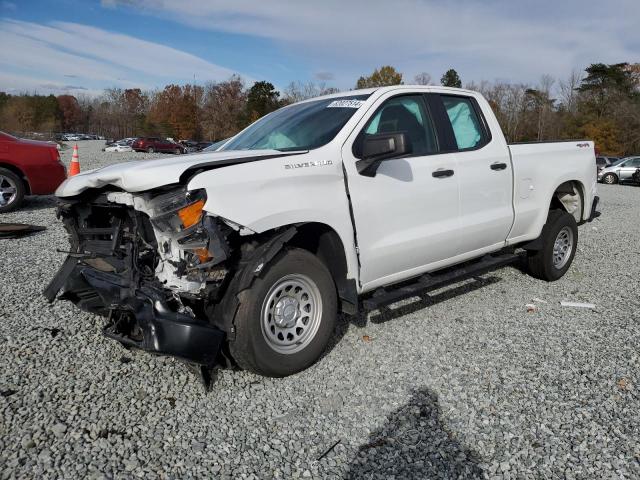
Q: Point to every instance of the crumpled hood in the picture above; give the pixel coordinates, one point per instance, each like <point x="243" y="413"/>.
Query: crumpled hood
<point x="137" y="176"/>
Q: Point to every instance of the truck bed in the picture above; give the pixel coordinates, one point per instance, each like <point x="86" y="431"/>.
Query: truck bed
<point x="537" y="175"/>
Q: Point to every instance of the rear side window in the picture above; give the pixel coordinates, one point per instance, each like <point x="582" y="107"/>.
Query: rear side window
<point x="407" y="114"/>
<point x="465" y="123"/>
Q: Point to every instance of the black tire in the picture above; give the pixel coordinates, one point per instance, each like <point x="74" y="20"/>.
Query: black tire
<point x="610" y="179"/>
<point x="7" y="180"/>
<point x="541" y="262"/>
<point x="150" y="150"/>
<point x="250" y="349"/>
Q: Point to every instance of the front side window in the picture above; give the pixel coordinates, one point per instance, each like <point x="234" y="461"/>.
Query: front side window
<point x="464" y="121"/>
<point x="302" y="126"/>
<point x="406" y="114"/>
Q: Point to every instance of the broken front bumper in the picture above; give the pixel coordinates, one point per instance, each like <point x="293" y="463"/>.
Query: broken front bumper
<point x="142" y="320"/>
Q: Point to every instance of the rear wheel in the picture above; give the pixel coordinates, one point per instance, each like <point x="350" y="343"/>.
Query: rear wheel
<point x="150" y="150"/>
<point x="559" y="242"/>
<point x="11" y="190"/>
<point x="285" y="319"/>
<point x="610" y="179"/>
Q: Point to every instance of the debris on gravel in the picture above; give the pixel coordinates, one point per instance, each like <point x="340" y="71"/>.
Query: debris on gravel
<point x="460" y="383"/>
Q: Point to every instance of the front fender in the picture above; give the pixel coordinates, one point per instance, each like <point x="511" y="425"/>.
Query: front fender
<point x="261" y="196"/>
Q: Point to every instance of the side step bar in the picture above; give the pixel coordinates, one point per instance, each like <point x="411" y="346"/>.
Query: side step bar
<point x="388" y="295"/>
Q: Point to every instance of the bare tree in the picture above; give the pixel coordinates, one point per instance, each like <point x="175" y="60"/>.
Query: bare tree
<point x="568" y="92"/>
<point x="298" y="91"/>
<point x="422" y="78"/>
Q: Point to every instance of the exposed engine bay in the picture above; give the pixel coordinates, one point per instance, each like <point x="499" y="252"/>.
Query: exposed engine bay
<point x="153" y="263"/>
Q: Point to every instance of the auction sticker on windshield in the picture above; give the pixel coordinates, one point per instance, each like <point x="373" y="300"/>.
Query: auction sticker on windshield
<point x="345" y="104"/>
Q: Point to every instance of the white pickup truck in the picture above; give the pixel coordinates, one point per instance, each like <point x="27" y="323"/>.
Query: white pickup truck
<point x="338" y="203"/>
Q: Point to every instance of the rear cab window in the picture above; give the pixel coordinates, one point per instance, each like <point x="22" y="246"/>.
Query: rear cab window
<point x="468" y="128"/>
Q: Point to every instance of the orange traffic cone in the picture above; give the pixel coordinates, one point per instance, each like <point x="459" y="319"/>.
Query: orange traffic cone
<point x="74" y="168"/>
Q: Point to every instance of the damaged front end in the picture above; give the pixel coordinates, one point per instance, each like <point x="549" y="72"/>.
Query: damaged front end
<point x="151" y="263"/>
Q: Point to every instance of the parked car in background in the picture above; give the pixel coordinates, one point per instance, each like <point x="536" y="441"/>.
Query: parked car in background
<point x="620" y="171"/>
<point x="156" y="144"/>
<point x="118" y="148"/>
<point x="125" y="141"/>
<point x="603" y="162"/>
<point x="27" y="167"/>
<point x="194" y="146"/>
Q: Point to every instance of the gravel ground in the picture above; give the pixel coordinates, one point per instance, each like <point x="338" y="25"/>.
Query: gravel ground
<point x="462" y="383"/>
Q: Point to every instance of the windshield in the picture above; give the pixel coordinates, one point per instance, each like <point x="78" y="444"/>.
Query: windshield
<point x="301" y="126"/>
<point x="215" y="146"/>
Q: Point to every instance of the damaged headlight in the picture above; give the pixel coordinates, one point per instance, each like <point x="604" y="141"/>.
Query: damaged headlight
<point x="177" y="210"/>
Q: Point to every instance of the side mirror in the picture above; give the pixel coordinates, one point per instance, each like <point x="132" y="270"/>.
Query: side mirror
<point x="374" y="149"/>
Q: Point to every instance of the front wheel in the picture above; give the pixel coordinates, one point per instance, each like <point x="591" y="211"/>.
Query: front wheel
<point x="559" y="242"/>
<point x="286" y="318"/>
<point x="177" y="151"/>
<point x="11" y="190"/>
<point x="150" y="150"/>
<point x="610" y="179"/>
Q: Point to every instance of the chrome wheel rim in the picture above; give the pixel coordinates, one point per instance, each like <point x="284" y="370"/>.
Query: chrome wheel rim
<point x="291" y="314"/>
<point x="562" y="247"/>
<point x="608" y="179"/>
<point x="8" y="191"/>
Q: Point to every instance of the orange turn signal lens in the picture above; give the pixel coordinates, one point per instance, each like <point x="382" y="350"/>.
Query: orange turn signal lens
<point x="191" y="214"/>
<point x="203" y="254"/>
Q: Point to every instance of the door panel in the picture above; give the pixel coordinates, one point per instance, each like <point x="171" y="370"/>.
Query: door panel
<point x="485" y="177"/>
<point x="405" y="217"/>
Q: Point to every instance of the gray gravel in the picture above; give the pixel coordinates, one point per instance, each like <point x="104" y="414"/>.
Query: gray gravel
<point x="462" y="383"/>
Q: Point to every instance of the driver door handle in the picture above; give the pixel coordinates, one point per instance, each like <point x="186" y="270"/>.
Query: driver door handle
<point x="441" y="173"/>
<point x="498" y="166"/>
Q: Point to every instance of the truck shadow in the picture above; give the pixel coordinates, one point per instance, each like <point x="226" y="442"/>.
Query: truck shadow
<point x="39" y="202"/>
<point x="415" y="443"/>
<point x="385" y="314"/>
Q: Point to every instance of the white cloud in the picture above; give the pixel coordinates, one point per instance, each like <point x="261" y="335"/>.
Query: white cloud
<point x="98" y="57"/>
<point x="483" y="39"/>
<point x="16" y="84"/>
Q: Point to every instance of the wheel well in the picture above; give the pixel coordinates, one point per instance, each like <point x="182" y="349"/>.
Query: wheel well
<point x="325" y="243"/>
<point x="20" y="174"/>
<point x="569" y="196"/>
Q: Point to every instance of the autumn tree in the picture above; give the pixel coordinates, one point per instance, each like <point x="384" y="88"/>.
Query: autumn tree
<point x="223" y="108"/>
<point x="381" y="77"/>
<point x="174" y="111"/>
<point x="451" y="79"/>
<point x="70" y="109"/>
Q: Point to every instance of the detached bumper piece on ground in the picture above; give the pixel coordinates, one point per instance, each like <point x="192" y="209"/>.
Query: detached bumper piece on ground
<point x="16" y="230"/>
<point x="110" y="272"/>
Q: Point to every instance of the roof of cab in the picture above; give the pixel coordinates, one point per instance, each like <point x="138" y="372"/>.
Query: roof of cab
<point x="382" y="90"/>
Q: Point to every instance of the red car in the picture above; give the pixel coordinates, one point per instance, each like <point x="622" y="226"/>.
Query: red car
<point x="155" y="144"/>
<point x="27" y="167"/>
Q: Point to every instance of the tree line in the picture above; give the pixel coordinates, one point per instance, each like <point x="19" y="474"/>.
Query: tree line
<point x="602" y="103"/>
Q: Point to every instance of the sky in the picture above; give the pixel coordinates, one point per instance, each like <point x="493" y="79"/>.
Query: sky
<point x="85" y="46"/>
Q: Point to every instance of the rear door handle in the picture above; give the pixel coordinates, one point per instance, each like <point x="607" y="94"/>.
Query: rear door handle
<point x="498" y="166"/>
<point x="442" y="173"/>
